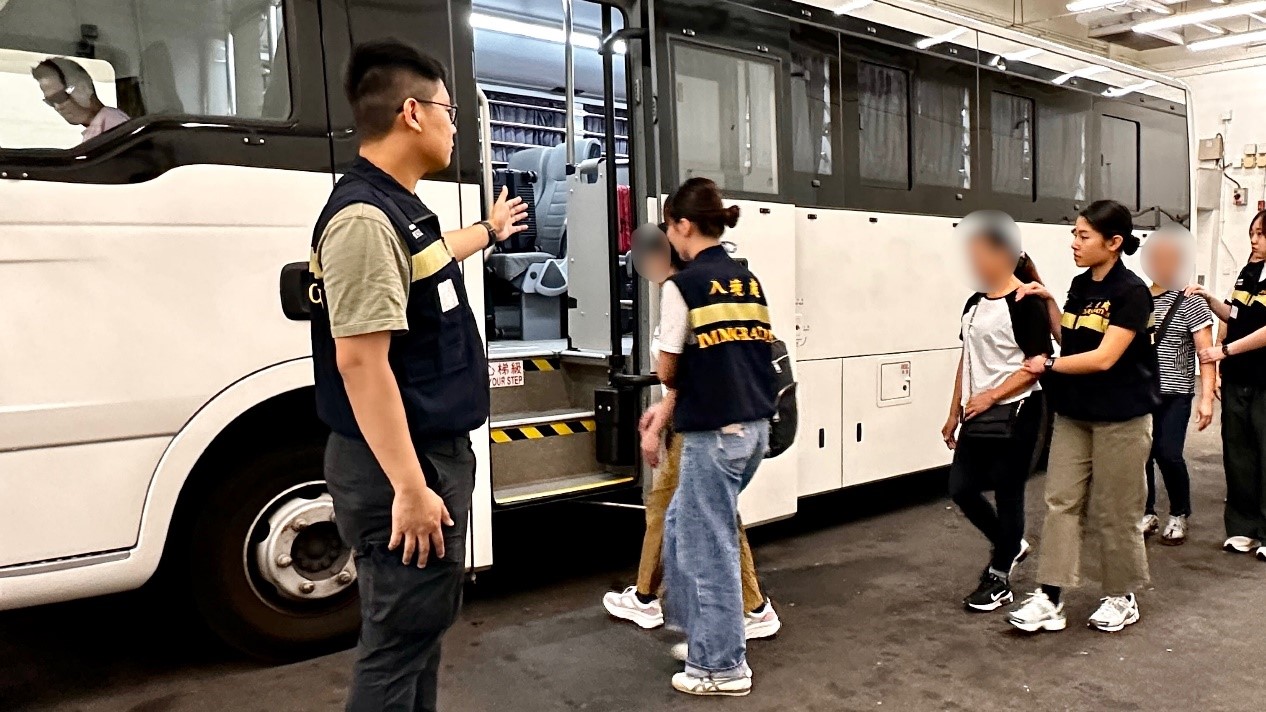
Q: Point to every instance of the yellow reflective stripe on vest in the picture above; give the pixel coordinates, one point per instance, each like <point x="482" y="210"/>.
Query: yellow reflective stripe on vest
<point x="433" y="258"/>
<point x="1068" y="320"/>
<point x="728" y="311"/>
<point x="314" y="265"/>
<point x="1241" y="296"/>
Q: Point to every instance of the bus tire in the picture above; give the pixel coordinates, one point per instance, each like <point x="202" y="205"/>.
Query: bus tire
<point x="264" y="614"/>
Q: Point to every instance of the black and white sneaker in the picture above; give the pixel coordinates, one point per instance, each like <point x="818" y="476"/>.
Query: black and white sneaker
<point x="993" y="593"/>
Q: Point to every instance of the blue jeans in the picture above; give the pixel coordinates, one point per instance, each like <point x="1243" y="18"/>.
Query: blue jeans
<point x="701" y="562"/>
<point x="1169" y="436"/>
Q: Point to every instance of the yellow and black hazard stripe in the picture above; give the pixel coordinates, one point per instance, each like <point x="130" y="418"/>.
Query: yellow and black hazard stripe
<point x="543" y="430"/>
<point x="541" y="364"/>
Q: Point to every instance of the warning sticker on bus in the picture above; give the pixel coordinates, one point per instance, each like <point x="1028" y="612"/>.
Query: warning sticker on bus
<point x="505" y="374"/>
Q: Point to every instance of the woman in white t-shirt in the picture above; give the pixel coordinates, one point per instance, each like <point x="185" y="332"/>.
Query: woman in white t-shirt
<point x="999" y="332"/>
<point x="656" y="260"/>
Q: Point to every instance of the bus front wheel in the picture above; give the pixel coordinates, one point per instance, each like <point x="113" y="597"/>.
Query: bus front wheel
<point x="267" y="569"/>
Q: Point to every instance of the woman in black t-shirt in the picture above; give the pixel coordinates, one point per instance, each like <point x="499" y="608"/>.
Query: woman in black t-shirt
<point x="1243" y="365"/>
<point x="1103" y="388"/>
<point x="998" y="334"/>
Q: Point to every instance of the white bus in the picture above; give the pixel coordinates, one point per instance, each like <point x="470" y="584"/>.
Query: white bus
<point x="156" y="404"/>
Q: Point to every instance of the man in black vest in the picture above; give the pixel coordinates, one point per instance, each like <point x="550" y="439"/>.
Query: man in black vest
<point x="401" y="376"/>
<point x="715" y="352"/>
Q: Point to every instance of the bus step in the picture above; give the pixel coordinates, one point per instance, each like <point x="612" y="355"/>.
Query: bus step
<point x="514" y="427"/>
<point x="559" y="487"/>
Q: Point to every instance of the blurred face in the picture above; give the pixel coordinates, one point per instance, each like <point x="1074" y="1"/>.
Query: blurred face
<point x="1090" y="248"/>
<point x="56" y="96"/>
<point x="991" y="264"/>
<point x="654" y="263"/>
<point x="434" y="128"/>
<point x="1257" y="239"/>
<point x="1163" y="262"/>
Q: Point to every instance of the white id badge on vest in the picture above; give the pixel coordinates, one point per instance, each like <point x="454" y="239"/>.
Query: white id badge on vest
<point x="448" y="295"/>
<point x="1235" y="312"/>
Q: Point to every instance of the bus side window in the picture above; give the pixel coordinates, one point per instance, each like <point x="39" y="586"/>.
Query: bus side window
<point x="74" y="70"/>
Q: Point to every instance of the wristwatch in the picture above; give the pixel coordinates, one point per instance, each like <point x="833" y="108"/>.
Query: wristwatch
<point x="1226" y="349"/>
<point x="492" y="233"/>
<point x="1049" y="364"/>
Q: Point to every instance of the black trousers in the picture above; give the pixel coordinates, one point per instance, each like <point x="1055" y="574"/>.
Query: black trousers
<point x="1003" y="466"/>
<point x="1244" y="459"/>
<point x="1169" y="437"/>
<point x="405" y="610"/>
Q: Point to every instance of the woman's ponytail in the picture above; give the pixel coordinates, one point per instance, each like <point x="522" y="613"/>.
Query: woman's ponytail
<point x="1026" y="270"/>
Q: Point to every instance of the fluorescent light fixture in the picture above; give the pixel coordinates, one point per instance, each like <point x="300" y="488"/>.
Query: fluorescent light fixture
<point x="1211" y="28"/>
<point x="506" y="26"/>
<point x="1092" y="5"/>
<point x="1242" y="38"/>
<point x="852" y="6"/>
<point x="1022" y="55"/>
<point x="1206" y="15"/>
<point x="1089" y="71"/>
<point x="1116" y="92"/>
<point x="929" y="42"/>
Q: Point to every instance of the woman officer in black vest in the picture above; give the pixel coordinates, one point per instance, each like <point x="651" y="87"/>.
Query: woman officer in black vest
<point x="715" y="351"/>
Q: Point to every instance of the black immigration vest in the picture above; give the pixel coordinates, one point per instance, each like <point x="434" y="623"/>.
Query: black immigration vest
<point x="725" y="374"/>
<point x="439" y="363"/>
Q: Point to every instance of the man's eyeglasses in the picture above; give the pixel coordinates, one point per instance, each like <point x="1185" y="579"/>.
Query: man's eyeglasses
<point x="451" y="108"/>
<point x="60" y="97"/>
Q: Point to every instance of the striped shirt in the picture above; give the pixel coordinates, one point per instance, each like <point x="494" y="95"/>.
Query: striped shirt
<point x="1176" y="353"/>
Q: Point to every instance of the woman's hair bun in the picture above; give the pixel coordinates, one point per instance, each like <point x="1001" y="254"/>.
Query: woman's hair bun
<point x="1130" y="244"/>
<point x="731" y="216"/>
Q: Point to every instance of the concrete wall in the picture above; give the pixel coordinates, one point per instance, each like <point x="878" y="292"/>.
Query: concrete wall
<point x="1234" y="89"/>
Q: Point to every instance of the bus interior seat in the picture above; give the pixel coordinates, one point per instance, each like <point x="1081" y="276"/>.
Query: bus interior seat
<point x="540" y="275"/>
<point x="158" y="81"/>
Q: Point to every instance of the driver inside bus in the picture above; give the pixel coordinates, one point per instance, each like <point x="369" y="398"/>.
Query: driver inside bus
<point x="69" y="90"/>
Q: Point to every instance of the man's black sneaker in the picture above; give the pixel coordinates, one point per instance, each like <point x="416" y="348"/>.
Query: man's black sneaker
<point x="993" y="593"/>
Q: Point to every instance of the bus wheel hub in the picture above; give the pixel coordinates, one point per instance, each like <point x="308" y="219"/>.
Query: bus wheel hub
<point x="302" y="556"/>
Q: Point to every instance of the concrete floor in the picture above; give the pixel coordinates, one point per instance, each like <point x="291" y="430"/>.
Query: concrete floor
<point x="867" y="582"/>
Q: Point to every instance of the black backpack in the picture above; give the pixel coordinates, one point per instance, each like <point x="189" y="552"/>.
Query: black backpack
<point x="782" y="426"/>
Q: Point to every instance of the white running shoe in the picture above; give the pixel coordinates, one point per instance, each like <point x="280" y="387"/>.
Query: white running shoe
<point x="1149" y="524"/>
<point x="1037" y="613"/>
<point x="1020" y="557"/>
<point x="680" y="651"/>
<point x="1261" y="553"/>
<point x="761" y="623"/>
<point x="1175" y="531"/>
<point x="1115" y="613"/>
<point x="725" y="687"/>
<point x="626" y="606"/>
<point x="1241" y="545"/>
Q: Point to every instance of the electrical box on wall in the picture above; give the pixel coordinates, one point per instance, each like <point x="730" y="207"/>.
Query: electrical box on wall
<point x="894" y="383"/>
<point x="1211" y="149"/>
<point x="1208" y="188"/>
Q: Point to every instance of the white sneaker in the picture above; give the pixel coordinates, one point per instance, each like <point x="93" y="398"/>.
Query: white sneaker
<point x="1241" y="545"/>
<point x="761" y="623"/>
<point x="1175" y="531"/>
<point x="1261" y="553"/>
<point x="1149" y="524"/>
<point x="1115" y="613"/>
<point x="1038" y="613"/>
<point x="726" y="686"/>
<point x="680" y="651"/>
<point x="1020" y="557"/>
<point x="626" y="606"/>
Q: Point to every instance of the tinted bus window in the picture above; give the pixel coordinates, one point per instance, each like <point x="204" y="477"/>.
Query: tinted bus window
<point x="1061" y="147"/>
<point x="1012" y="129"/>
<point x="942" y="133"/>
<point x="883" y="102"/>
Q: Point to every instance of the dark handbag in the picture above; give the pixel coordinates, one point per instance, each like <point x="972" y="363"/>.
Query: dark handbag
<point x="997" y="423"/>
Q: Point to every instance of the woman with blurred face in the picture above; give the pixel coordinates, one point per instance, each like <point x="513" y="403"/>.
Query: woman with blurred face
<point x="1185" y="325"/>
<point x="1243" y="365"/>
<point x="1103" y="389"/>
<point x="998" y="332"/>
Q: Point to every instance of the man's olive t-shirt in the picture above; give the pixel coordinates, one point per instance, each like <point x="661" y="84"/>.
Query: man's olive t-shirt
<point x="367" y="272"/>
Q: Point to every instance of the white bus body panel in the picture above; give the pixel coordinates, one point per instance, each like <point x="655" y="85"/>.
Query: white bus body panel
<point x="151" y="315"/>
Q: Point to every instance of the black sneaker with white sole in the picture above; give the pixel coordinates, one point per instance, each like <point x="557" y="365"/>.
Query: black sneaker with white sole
<point x="993" y="593"/>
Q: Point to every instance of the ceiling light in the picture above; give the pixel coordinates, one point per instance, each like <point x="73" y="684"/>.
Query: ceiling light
<point x="1205" y="15"/>
<point x="1211" y="28"/>
<point x="1091" y="5"/>
<point x="1116" y="92"/>
<point x="1242" y="38"/>
<point x="1089" y="71"/>
<point x="852" y="6"/>
<point x="929" y="42"/>
<point x="506" y="26"/>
